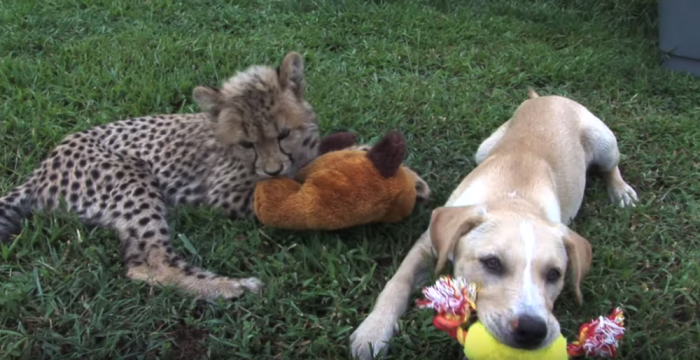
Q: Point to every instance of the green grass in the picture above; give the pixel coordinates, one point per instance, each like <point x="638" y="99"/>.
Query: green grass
<point x="444" y="72"/>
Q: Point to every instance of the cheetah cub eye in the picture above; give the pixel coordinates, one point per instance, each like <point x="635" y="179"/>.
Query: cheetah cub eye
<point x="283" y="134"/>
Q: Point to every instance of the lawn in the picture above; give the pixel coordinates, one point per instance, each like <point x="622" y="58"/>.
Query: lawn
<point x="446" y="73"/>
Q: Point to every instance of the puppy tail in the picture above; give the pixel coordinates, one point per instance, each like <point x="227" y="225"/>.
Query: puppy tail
<point x="531" y="93"/>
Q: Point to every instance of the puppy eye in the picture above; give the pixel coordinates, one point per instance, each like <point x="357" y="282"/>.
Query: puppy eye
<point x="493" y="265"/>
<point x="246" y="144"/>
<point x="283" y="134"/>
<point x="553" y="275"/>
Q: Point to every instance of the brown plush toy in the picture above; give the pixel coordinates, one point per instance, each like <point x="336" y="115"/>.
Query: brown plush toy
<point x="342" y="187"/>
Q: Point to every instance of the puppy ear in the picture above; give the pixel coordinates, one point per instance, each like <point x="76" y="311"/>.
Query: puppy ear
<point x="291" y="74"/>
<point x="448" y="225"/>
<point x="580" y="256"/>
<point x="208" y="99"/>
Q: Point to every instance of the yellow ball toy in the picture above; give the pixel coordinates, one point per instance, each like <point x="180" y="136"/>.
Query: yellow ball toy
<point x="479" y="344"/>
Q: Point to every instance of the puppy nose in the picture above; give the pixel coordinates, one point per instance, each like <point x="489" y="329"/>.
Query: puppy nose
<point x="529" y="332"/>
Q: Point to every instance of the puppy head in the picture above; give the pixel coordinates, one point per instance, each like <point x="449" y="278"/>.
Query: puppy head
<point x="518" y="262"/>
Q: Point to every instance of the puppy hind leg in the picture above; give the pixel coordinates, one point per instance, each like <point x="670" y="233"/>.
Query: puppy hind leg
<point x="601" y="143"/>
<point x="619" y="191"/>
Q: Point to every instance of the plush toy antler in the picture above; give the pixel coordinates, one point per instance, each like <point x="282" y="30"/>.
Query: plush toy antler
<point x="454" y="301"/>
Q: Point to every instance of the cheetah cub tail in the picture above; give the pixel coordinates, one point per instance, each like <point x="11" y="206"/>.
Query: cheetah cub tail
<point x="13" y="208"/>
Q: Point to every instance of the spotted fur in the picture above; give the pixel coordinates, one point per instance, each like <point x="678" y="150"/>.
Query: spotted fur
<point x="124" y="175"/>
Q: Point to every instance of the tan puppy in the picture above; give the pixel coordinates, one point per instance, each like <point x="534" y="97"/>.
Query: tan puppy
<point x="504" y="227"/>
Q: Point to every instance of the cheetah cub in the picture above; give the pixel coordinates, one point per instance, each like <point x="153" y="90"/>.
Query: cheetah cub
<point x="124" y="175"/>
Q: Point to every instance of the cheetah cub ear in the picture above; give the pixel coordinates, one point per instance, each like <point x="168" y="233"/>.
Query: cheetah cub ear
<point x="207" y="98"/>
<point x="291" y="74"/>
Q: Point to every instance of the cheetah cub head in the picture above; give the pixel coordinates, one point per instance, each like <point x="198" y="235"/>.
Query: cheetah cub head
<point x="261" y="113"/>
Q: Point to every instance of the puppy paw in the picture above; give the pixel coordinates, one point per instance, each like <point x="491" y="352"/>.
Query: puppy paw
<point x="622" y="195"/>
<point x="371" y="339"/>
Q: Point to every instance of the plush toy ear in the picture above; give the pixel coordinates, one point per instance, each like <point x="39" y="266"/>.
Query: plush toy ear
<point x="388" y="154"/>
<point x="337" y="141"/>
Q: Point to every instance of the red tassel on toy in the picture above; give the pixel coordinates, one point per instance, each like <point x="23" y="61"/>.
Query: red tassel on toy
<point x="599" y="337"/>
<point x="454" y="302"/>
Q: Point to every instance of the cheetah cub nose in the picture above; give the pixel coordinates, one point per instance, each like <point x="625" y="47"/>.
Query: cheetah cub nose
<point x="274" y="172"/>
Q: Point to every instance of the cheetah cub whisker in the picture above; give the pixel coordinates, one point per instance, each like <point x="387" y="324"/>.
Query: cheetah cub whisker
<point x="124" y="175"/>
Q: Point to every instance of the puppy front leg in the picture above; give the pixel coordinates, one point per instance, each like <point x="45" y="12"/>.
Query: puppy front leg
<point x="373" y="335"/>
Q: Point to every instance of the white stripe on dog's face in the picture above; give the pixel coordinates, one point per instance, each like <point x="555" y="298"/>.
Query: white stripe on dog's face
<point x="530" y="299"/>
